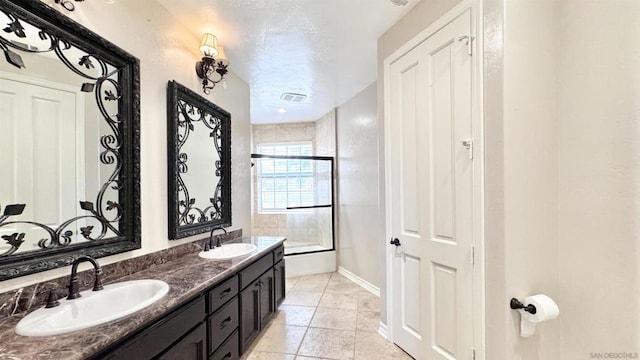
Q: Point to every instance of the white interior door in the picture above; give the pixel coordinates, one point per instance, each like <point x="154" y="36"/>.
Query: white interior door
<point x="42" y="154"/>
<point x="429" y="187"/>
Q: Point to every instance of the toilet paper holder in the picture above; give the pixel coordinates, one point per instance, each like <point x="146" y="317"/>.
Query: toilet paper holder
<point x="516" y="304"/>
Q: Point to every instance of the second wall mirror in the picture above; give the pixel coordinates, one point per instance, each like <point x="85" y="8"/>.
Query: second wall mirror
<point x="199" y="165"/>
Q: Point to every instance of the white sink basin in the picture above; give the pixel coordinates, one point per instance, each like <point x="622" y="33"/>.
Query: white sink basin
<point x="93" y="308"/>
<point x="228" y="251"/>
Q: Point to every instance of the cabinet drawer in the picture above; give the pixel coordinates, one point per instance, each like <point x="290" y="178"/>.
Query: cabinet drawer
<point x="229" y="350"/>
<point x="254" y="270"/>
<point x="278" y="254"/>
<point x="223" y="323"/>
<point x="222" y="293"/>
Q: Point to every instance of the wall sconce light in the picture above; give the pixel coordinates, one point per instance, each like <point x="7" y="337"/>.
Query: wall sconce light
<point x="213" y="66"/>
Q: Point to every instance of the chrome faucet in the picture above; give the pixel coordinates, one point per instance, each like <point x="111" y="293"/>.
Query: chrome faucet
<point x="74" y="287"/>
<point x="218" y="240"/>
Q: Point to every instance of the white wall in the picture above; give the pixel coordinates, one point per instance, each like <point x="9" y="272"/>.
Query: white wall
<point x="599" y="162"/>
<point x="562" y="137"/>
<point x="167" y="51"/>
<point x="530" y="175"/>
<point x="521" y="172"/>
<point x="359" y="245"/>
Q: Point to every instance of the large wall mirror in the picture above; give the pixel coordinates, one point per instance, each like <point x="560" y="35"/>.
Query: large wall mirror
<point x="69" y="142"/>
<point x="199" y="152"/>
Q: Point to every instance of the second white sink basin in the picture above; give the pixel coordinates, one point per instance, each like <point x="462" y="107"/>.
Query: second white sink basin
<point x="93" y="308"/>
<point x="228" y="251"/>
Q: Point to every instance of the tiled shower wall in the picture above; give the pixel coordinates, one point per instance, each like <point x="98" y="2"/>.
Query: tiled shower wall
<point x="325" y="146"/>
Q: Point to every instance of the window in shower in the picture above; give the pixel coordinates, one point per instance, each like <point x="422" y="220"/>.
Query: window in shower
<point x="293" y="196"/>
<point x="284" y="183"/>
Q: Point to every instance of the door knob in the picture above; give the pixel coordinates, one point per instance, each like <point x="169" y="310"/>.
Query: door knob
<point x="395" y="242"/>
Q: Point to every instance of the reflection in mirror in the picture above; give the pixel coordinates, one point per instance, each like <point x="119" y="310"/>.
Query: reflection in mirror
<point x="199" y="163"/>
<point x="68" y="123"/>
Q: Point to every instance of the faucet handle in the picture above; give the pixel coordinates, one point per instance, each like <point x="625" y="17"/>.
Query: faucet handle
<point x="74" y="288"/>
<point x="97" y="285"/>
<point x="52" y="300"/>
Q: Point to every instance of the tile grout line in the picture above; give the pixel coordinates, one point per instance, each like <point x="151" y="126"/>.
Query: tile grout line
<point x="306" y="330"/>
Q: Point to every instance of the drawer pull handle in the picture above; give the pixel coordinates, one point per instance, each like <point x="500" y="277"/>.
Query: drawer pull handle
<point x="228" y="356"/>
<point x="225" y="293"/>
<point x="225" y="322"/>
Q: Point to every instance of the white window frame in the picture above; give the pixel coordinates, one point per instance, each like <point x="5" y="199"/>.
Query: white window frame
<point x="260" y="176"/>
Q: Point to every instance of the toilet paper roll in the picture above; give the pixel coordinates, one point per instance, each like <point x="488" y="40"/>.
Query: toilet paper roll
<point x="546" y="309"/>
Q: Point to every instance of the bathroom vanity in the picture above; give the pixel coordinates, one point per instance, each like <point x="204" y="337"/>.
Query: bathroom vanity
<point x="213" y="310"/>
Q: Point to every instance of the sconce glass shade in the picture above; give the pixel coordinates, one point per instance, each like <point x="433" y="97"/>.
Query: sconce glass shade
<point x="222" y="57"/>
<point x="209" y="45"/>
<point x="212" y="68"/>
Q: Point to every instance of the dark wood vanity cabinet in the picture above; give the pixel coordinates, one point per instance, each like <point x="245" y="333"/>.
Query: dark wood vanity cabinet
<point x="218" y="324"/>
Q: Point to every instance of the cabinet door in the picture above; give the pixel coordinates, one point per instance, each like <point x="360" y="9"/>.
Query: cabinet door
<point x="191" y="347"/>
<point x="249" y="314"/>
<point x="280" y="282"/>
<point x="267" y="299"/>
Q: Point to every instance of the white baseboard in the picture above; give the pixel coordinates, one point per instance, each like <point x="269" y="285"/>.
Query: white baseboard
<point x="382" y="330"/>
<point x="360" y="281"/>
<point x="307" y="264"/>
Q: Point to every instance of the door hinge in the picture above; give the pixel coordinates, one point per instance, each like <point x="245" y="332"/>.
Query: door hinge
<point x="473" y="255"/>
<point x="468" y="144"/>
<point x="473" y="354"/>
<point x="468" y="40"/>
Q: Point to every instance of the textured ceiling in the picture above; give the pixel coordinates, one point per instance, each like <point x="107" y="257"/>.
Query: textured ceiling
<point x="325" y="49"/>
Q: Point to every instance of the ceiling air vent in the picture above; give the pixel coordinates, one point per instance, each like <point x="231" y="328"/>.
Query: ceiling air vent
<point x="293" y="97"/>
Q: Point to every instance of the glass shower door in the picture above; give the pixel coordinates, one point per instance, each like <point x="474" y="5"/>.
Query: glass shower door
<point x="293" y="198"/>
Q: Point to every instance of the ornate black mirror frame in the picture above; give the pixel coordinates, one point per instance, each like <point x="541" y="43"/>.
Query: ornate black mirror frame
<point x="121" y="148"/>
<point x="188" y="112"/>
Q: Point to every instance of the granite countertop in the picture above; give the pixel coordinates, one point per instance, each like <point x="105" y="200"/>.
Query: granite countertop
<point x="187" y="277"/>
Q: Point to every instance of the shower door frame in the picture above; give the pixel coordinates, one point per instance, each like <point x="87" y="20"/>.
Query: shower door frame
<point x="331" y="159"/>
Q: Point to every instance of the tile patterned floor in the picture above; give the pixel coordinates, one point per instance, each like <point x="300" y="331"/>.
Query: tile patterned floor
<point x="325" y="316"/>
